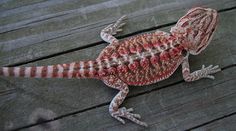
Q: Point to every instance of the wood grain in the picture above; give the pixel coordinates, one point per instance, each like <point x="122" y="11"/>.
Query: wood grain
<point x="225" y="124"/>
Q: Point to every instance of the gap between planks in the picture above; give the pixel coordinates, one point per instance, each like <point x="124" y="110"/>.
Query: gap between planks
<point x="100" y="42"/>
<point x="139" y="94"/>
<point x="211" y="121"/>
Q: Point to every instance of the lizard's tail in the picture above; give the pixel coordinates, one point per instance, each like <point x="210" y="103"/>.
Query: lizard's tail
<point x="82" y="69"/>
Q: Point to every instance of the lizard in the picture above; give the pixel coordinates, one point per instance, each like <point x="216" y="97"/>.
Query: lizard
<point x="139" y="60"/>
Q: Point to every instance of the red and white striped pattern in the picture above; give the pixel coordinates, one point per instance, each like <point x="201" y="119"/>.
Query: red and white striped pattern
<point x="82" y="69"/>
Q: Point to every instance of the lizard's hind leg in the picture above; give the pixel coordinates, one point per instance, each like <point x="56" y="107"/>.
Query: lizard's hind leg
<point x="115" y="111"/>
<point x="112" y="29"/>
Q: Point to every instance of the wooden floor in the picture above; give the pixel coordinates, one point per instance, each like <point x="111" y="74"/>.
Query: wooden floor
<point x="43" y="32"/>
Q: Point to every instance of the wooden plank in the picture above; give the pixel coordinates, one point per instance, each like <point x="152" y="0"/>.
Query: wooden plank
<point x="38" y="33"/>
<point x="30" y="11"/>
<point x="12" y="4"/>
<point x="63" y="96"/>
<point x="177" y="107"/>
<point x="225" y="124"/>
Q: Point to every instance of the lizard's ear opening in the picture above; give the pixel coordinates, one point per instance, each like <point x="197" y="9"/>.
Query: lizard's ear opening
<point x="195" y="29"/>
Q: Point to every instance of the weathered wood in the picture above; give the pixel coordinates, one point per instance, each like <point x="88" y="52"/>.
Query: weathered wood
<point x="177" y="107"/>
<point x="225" y="124"/>
<point x="12" y="4"/>
<point x="49" y="27"/>
<point x="65" y="96"/>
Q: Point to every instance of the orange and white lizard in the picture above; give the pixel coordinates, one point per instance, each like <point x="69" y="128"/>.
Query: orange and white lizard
<point x="139" y="60"/>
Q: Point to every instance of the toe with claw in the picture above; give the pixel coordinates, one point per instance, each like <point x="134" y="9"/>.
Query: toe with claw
<point x="126" y="113"/>
<point x="116" y="27"/>
<point x="207" y="71"/>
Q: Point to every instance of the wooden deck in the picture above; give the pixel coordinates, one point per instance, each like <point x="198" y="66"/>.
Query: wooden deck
<point x="43" y="32"/>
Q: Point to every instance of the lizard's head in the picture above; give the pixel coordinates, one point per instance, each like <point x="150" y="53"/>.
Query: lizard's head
<point x="195" y="29"/>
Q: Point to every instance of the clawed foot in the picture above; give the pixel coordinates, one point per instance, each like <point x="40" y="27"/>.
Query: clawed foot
<point x="116" y="27"/>
<point x="126" y="113"/>
<point x="209" y="70"/>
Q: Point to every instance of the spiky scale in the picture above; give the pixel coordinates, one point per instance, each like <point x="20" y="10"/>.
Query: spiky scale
<point x="144" y="63"/>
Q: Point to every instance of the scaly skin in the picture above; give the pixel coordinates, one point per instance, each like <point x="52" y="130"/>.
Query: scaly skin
<point x="139" y="60"/>
<point x="154" y="55"/>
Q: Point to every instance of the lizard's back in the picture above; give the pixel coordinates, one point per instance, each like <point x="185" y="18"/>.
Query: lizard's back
<point x="145" y="58"/>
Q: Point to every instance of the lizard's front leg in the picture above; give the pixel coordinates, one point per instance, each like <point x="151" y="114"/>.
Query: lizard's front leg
<point x="115" y="111"/>
<point x="112" y="29"/>
<point x="205" y="72"/>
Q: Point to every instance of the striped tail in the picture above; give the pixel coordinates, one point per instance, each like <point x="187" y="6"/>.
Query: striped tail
<point x="82" y="69"/>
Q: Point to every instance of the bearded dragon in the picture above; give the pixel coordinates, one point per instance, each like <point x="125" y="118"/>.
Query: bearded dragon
<point x="138" y="60"/>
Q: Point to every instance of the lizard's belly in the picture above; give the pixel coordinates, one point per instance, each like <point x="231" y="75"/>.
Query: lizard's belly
<point x="152" y="74"/>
